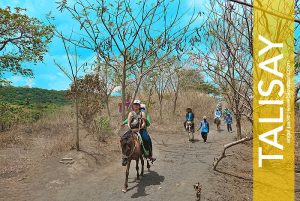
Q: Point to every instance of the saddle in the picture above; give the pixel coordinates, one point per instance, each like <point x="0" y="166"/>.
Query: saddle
<point x="189" y="123"/>
<point x="127" y="142"/>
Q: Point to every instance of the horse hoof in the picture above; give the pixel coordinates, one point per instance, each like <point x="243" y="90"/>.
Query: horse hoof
<point x="124" y="190"/>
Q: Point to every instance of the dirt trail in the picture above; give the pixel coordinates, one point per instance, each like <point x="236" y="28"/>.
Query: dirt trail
<point x="179" y="165"/>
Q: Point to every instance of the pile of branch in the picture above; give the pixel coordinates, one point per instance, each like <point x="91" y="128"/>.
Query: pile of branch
<point x="226" y="146"/>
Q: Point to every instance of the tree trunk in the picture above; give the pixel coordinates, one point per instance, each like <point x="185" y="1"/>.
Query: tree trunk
<point x="123" y="90"/>
<point x="238" y="127"/>
<point x="160" y="109"/>
<point x="107" y="107"/>
<point x="226" y="146"/>
<point x="77" y="120"/>
<point x="149" y="99"/>
<point x="136" y="91"/>
<point x="175" y="101"/>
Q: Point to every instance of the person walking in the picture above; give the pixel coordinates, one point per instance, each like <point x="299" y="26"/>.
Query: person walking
<point x="228" y="120"/>
<point x="204" y="126"/>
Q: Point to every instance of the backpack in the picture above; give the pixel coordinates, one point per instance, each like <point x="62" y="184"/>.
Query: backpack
<point x="135" y="120"/>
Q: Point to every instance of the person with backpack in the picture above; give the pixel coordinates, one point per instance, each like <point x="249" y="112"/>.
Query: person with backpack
<point x="204" y="126"/>
<point x="189" y="117"/>
<point x="138" y="121"/>
<point x="228" y="121"/>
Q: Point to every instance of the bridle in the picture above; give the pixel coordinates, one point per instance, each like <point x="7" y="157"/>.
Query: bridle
<point x="131" y="153"/>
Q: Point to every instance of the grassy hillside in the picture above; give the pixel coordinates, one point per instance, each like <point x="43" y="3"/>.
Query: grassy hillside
<point x="27" y="96"/>
<point x="19" y="105"/>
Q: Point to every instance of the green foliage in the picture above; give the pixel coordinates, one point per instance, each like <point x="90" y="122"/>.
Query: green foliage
<point x="192" y="79"/>
<point x="90" y="94"/>
<point x="20" y="105"/>
<point x="208" y="88"/>
<point x="103" y="123"/>
<point x="32" y="97"/>
<point x="22" y="39"/>
<point x="12" y="115"/>
<point x="101" y="127"/>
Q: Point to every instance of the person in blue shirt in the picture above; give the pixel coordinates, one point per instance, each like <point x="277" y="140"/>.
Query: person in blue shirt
<point x="228" y="120"/>
<point x="218" y="115"/>
<point x="189" y="117"/>
<point x="204" y="126"/>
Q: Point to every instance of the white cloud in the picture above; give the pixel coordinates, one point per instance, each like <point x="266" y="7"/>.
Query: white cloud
<point x="30" y="82"/>
<point x="15" y="79"/>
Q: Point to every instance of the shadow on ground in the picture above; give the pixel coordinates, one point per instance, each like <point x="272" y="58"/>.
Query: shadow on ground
<point x="149" y="179"/>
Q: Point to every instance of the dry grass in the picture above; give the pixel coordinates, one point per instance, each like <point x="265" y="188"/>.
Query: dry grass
<point x="55" y="133"/>
<point x="202" y="105"/>
<point x="10" y="138"/>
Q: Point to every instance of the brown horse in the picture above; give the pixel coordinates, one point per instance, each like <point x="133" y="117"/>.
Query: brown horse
<point x="217" y="122"/>
<point x="132" y="150"/>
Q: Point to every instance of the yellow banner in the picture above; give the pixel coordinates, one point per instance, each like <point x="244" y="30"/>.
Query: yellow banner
<point x="273" y="101"/>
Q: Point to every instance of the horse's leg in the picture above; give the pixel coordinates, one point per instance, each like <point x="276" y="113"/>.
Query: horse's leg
<point x="126" y="178"/>
<point x="148" y="165"/>
<point x="142" y="161"/>
<point x="137" y="169"/>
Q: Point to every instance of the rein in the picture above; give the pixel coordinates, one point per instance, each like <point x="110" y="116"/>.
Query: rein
<point x="132" y="151"/>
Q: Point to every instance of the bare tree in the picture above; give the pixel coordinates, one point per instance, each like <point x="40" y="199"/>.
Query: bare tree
<point x="110" y="79"/>
<point x="161" y="79"/>
<point x="72" y="71"/>
<point x="228" y="57"/>
<point x="132" y="31"/>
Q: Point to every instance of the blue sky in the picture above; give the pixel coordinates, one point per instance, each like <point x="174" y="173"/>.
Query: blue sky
<point x="46" y="74"/>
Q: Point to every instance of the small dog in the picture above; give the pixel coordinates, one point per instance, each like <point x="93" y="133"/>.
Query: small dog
<point x="198" y="188"/>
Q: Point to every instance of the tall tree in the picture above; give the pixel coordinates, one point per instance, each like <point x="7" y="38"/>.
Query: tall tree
<point x="73" y="71"/>
<point x="133" y="31"/>
<point x="110" y="79"/>
<point x="227" y="59"/>
<point x="22" y="39"/>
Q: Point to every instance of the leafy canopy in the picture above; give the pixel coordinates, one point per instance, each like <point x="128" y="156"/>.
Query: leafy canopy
<point x="22" y="39"/>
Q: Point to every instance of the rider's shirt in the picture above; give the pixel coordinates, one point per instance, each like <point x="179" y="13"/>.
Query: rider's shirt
<point x="228" y="119"/>
<point x="135" y="120"/>
<point x="204" y="126"/>
<point x="218" y="114"/>
<point x="189" y="116"/>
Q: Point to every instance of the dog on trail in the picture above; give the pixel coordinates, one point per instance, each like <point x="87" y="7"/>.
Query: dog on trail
<point x="198" y="188"/>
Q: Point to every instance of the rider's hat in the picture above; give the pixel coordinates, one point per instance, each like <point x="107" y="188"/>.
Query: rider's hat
<point x="204" y="117"/>
<point x="138" y="102"/>
<point x="143" y="106"/>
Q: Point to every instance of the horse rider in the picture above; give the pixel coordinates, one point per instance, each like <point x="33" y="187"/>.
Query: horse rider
<point x="219" y="107"/>
<point x="189" y="117"/>
<point x="218" y="114"/>
<point x="138" y="123"/>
